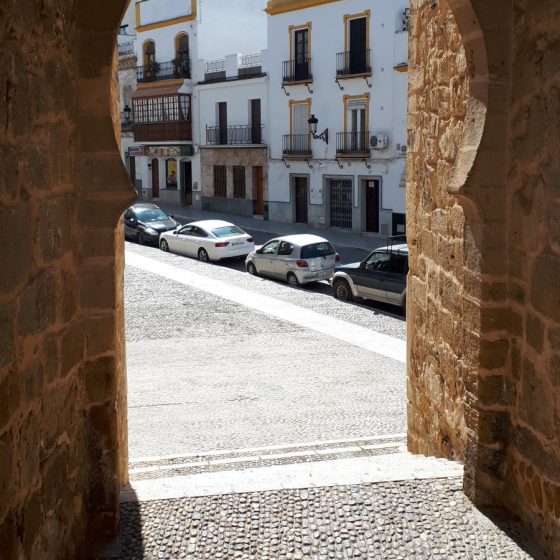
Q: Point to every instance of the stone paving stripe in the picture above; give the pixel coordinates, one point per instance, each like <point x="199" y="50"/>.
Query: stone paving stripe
<point x="378" y="343"/>
<point x="245" y="450"/>
<point x="339" y="472"/>
<point x="259" y="458"/>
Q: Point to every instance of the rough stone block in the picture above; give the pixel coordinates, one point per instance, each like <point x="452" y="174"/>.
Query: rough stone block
<point x="100" y="335"/>
<point x="97" y="287"/>
<point x="6" y="334"/>
<point x="100" y="379"/>
<point x="545" y="295"/>
<point x="38" y="304"/>
<point x="534" y="331"/>
<point x="537" y="405"/>
<point x="493" y="354"/>
<point x="16" y="245"/>
<point x="55" y="226"/>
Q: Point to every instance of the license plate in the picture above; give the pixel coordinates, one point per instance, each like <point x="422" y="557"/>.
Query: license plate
<point x="237" y="243"/>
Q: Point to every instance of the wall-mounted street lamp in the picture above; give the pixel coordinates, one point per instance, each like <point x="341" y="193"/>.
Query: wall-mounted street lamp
<point x="313" y="120"/>
<point x="127" y="110"/>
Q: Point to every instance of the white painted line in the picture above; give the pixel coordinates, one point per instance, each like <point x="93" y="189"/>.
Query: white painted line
<point x="340" y="472"/>
<point x="379" y="343"/>
<point x="257" y="458"/>
<point x="245" y="450"/>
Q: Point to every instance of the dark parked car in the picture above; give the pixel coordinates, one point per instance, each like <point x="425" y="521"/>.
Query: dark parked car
<point x="144" y="222"/>
<point x="380" y="277"/>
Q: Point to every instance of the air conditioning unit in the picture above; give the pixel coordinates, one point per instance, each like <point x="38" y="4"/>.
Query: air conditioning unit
<point x="379" y="142"/>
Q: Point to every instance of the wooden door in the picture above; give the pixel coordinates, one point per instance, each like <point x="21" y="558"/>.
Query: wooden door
<point x="222" y="122"/>
<point x="258" y="190"/>
<point x="300" y="187"/>
<point x="372" y="206"/>
<point x="186" y="183"/>
<point x="256" y="121"/>
<point x="358" y="30"/>
<point x="155" y="178"/>
<point x="132" y="170"/>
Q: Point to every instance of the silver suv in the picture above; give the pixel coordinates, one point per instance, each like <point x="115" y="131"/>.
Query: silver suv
<point x="296" y="259"/>
<point x="380" y="277"/>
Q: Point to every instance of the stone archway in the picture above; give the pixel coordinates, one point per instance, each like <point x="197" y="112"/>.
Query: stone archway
<point x="484" y="334"/>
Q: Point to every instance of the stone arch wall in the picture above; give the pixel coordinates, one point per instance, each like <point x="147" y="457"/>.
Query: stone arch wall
<point x="62" y="189"/>
<point x="484" y="335"/>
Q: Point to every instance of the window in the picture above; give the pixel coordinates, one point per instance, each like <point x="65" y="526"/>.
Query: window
<point x="238" y="181"/>
<point x="356" y="39"/>
<point x="227" y="231"/>
<point x="399" y="263"/>
<point x="317" y="250"/>
<point x="165" y="108"/>
<point x="149" y="53"/>
<point x="380" y="262"/>
<point x="220" y="186"/>
<point x="356" y="123"/>
<point x="270" y="248"/>
<point x="299" y="127"/>
<point x="285" y="248"/>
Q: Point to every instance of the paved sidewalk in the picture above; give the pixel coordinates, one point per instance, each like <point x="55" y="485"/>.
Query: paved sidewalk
<point x="366" y="242"/>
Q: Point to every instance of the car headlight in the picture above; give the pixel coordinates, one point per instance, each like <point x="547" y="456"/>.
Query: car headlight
<point x="151" y="231"/>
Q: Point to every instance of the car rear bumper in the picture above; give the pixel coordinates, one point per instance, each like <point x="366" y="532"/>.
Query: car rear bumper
<point x="314" y="275"/>
<point x="231" y="252"/>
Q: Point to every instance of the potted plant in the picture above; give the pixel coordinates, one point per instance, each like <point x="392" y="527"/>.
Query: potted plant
<point x="182" y="67"/>
<point x="153" y="67"/>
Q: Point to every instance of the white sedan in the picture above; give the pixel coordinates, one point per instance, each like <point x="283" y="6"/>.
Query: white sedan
<point x="208" y="240"/>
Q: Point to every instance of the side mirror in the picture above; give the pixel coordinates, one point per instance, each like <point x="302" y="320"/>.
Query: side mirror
<point x="363" y="265"/>
<point x="258" y="251"/>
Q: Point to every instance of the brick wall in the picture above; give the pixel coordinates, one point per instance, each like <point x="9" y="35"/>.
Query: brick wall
<point x="62" y="188"/>
<point x="484" y="320"/>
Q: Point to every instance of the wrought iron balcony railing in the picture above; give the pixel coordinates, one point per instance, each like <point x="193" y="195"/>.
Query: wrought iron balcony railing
<point x="298" y="70"/>
<point x="159" y="71"/>
<point x="232" y="135"/>
<point x="296" y="144"/>
<point x="350" y="63"/>
<point x="352" y="143"/>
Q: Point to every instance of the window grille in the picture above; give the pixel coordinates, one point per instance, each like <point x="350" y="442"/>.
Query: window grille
<point x="220" y="185"/>
<point x="238" y="181"/>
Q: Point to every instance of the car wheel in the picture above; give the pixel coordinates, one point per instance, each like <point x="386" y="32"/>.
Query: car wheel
<point x="164" y="246"/>
<point x="203" y="255"/>
<point x="252" y="269"/>
<point x="292" y="280"/>
<point x="342" y="290"/>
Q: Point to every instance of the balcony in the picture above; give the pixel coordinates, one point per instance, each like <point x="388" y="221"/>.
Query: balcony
<point x="162" y="131"/>
<point x="296" y="71"/>
<point x="233" y="135"/>
<point x="298" y="145"/>
<point x="351" y="63"/>
<point x="127" y="124"/>
<point x="159" y="71"/>
<point x="352" y="144"/>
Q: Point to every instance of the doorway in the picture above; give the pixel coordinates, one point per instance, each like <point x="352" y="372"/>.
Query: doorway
<point x="372" y="205"/>
<point x="186" y="183"/>
<point x="340" y="203"/>
<point x="301" y="40"/>
<point x="301" y="197"/>
<point x="155" y="178"/>
<point x="258" y="190"/>
<point x="132" y="170"/>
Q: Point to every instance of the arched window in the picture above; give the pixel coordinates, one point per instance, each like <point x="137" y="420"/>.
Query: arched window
<point x="171" y="173"/>
<point x="182" y="62"/>
<point x="149" y="53"/>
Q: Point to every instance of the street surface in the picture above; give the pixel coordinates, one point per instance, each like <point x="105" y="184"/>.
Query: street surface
<point x="231" y="376"/>
<point x="268" y="422"/>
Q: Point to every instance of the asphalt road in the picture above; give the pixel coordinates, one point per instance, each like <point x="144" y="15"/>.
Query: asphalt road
<point x="208" y="369"/>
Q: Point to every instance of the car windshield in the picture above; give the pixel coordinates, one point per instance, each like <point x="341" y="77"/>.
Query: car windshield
<point x="151" y="215"/>
<point x="317" y="250"/>
<point x="226" y="231"/>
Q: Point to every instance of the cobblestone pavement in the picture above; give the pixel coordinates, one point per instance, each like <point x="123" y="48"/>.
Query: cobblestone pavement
<point x="225" y="395"/>
<point x="427" y="519"/>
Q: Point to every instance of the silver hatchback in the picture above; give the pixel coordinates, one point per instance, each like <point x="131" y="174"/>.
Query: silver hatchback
<point x="296" y="259"/>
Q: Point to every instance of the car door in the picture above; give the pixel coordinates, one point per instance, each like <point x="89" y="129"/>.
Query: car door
<point x="284" y="260"/>
<point x="266" y="257"/>
<point x="199" y="238"/>
<point x="371" y="278"/>
<point x="396" y="278"/>
<point x="130" y="224"/>
<point x="178" y="242"/>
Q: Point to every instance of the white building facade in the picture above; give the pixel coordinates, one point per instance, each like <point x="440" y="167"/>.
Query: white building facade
<point x="232" y="114"/>
<point x="342" y="64"/>
<point x="163" y="158"/>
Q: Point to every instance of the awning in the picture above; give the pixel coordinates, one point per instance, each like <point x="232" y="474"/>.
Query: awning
<point x="156" y="92"/>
